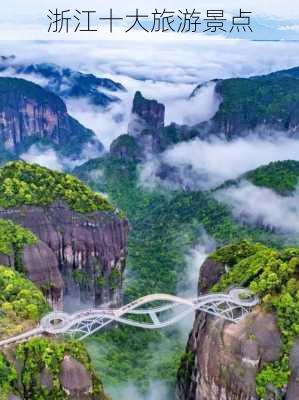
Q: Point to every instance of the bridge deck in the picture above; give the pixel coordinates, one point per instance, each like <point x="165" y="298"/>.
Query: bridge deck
<point x="231" y="306"/>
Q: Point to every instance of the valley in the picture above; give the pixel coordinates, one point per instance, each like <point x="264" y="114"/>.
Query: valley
<point x="145" y="217"/>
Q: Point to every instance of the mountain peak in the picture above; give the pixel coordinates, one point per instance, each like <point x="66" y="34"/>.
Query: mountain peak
<point x="147" y="115"/>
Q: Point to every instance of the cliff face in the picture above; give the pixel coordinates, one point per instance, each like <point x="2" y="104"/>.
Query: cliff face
<point x="80" y="255"/>
<point x="147" y="115"/>
<point x="222" y="358"/>
<point x="29" y="113"/>
<point x="40" y="368"/>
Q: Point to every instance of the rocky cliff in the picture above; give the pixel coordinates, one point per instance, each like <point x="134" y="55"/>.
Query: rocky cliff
<point x="147" y="115"/>
<point x="126" y="148"/>
<point x="263" y="105"/>
<point x="40" y="368"/>
<point x="29" y="113"/>
<point x="223" y="361"/>
<point x="80" y="255"/>
<point x="80" y="251"/>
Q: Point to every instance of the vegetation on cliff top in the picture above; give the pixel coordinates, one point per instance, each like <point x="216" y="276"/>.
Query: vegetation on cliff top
<point x="44" y="356"/>
<point x="274" y="276"/>
<point x="280" y="176"/>
<point x="254" y="101"/>
<point x="27" y="184"/>
<point x="8" y="376"/>
<point x="21" y="306"/>
<point x="21" y="303"/>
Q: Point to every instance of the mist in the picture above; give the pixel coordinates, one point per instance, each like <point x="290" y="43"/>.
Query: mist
<point x="157" y="391"/>
<point x="262" y="206"/>
<point x="106" y="124"/>
<point x="167" y="72"/>
<point x="217" y="160"/>
<point x="194" y="259"/>
<point x="199" y="108"/>
<point x="46" y="156"/>
<point x="190" y="62"/>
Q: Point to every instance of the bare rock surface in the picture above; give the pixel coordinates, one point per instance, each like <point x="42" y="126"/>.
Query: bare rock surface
<point x="223" y="358"/>
<point x="75" y="379"/>
<point x="80" y="255"/>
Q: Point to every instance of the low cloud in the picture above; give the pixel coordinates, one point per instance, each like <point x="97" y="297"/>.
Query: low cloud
<point x="190" y="111"/>
<point x="35" y="78"/>
<point x="157" y="391"/>
<point x="194" y="259"/>
<point x="167" y="72"/>
<point x="148" y="174"/>
<point x="216" y="161"/>
<point x="48" y="157"/>
<point x="106" y="124"/>
<point x="188" y="288"/>
<point x="177" y="62"/>
<point x="262" y="206"/>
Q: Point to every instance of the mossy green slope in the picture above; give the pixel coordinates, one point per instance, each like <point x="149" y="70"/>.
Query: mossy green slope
<point x="279" y="176"/>
<point x="22" y="87"/>
<point x="21" y="303"/>
<point x="14" y="237"/>
<point x="248" y="103"/>
<point x="27" y="184"/>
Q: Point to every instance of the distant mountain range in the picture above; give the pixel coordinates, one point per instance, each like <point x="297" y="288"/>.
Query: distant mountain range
<point x="265" y="106"/>
<point x="30" y="114"/>
<point x="65" y="82"/>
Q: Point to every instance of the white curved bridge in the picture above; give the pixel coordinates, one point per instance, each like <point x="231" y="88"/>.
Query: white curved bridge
<point x="231" y="306"/>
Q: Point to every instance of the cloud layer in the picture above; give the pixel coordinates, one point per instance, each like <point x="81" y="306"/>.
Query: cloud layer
<point x="168" y="72"/>
<point x="48" y="157"/>
<point x="262" y="206"/>
<point x="217" y="161"/>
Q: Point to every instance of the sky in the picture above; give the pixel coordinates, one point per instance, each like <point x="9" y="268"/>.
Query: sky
<point x="28" y="20"/>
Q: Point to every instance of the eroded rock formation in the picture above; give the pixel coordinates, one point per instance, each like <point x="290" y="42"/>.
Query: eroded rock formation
<point x="147" y="115"/>
<point x="222" y="358"/>
<point x="81" y="255"/>
<point x="29" y="113"/>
